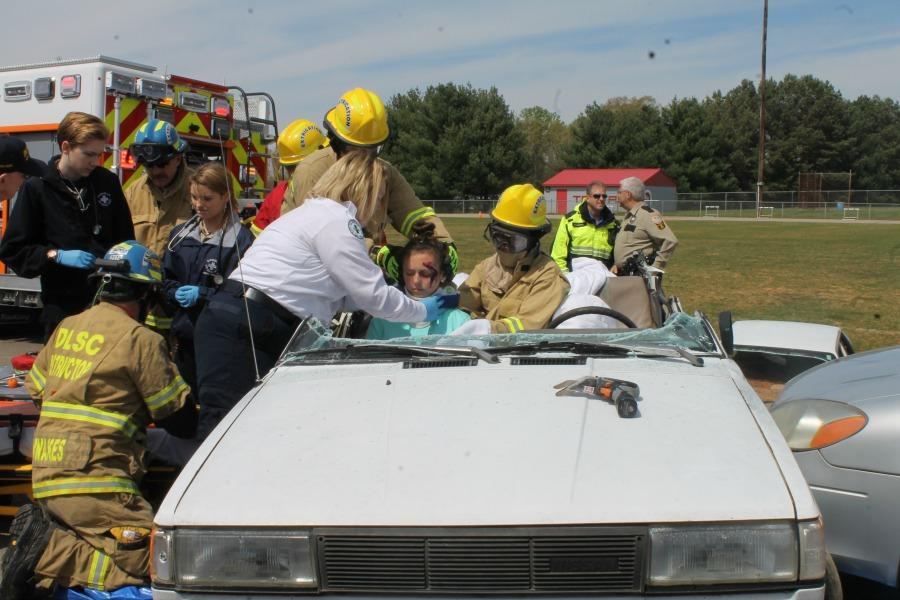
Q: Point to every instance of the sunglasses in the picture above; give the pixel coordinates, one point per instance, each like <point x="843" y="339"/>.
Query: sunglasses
<point x="152" y="155"/>
<point x="506" y="240"/>
<point x="598" y="196"/>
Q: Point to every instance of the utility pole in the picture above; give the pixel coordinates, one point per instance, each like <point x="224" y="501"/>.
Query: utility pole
<point x="762" y="113"/>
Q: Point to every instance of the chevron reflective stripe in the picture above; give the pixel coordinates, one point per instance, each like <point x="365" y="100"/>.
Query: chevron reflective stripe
<point x="514" y="323"/>
<point x="165" y="395"/>
<point x="158" y="322"/>
<point x="38" y="378"/>
<point x="88" y="414"/>
<point x="413" y="217"/>
<point x="70" y="486"/>
<point x="454" y="257"/>
<point x="98" y="570"/>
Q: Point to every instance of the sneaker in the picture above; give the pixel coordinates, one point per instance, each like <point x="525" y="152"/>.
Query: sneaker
<point x="29" y="533"/>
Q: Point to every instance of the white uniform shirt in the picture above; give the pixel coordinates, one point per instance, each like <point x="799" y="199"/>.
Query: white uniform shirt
<point x="313" y="261"/>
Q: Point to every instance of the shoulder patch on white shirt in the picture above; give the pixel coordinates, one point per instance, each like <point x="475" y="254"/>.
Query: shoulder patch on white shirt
<point x="355" y="228"/>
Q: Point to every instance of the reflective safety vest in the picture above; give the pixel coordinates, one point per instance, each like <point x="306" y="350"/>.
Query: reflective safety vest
<point x="578" y="236"/>
<point x="99" y="381"/>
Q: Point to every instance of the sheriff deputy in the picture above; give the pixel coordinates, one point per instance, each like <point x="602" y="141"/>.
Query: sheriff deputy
<point x="643" y="228"/>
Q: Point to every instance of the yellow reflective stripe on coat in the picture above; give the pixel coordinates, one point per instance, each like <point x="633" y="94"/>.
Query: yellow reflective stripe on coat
<point x="165" y="395"/>
<point x="69" y="486"/>
<point x="413" y="217"/>
<point x="254" y="229"/>
<point x="88" y="414"/>
<point x="98" y="570"/>
<point x="38" y="378"/>
<point x="514" y="323"/>
<point x="158" y="322"/>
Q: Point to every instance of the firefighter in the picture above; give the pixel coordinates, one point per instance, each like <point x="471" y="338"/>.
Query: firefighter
<point x="298" y="140"/>
<point x="99" y="382"/>
<point x="161" y="198"/>
<point x="519" y="287"/>
<point x="359" y="120"/>
<point x="15" y="165"/>
<point x="66" y="218"/>
<point x="310" y="263"/>
<point x="588" y="231"/>
<point x="643" y="228"/>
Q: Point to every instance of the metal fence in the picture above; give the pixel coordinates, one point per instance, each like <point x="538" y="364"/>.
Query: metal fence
<point x="826" y="204"/>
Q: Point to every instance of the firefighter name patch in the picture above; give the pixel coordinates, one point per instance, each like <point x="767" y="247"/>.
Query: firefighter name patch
<point x="355" y="229"/>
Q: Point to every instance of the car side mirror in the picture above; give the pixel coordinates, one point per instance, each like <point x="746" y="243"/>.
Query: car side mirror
<point x="726" y="332"/>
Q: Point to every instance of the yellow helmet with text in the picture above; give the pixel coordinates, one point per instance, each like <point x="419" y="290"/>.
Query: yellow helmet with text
<point x="298" y="140"/>
<point x="359" y="119"/>
<point x="522" y="207"/>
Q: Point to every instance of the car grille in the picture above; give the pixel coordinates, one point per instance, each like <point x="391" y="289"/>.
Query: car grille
<point x="516" y="560"/>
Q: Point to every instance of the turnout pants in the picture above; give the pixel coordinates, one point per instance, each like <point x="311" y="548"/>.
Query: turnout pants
<point x="89" y="555"/>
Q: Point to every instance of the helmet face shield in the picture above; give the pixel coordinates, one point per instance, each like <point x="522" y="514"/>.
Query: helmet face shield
<point x="152" y="155"/>
<point x="507" y="240"/>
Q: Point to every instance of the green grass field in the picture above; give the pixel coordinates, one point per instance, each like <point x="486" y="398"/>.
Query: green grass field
<point x="845" y="274"/>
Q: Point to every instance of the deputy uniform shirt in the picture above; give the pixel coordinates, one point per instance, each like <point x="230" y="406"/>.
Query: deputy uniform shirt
<point x="528" y="302"/>
<point x="313" y="262"/>
<point x="404" y="208"/>
<point x="155" y="212"/>
<point x="644" y="229"/>
<point x="99" y="381"/>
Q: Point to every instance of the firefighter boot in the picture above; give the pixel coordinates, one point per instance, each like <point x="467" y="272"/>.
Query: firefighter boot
<point x="29" y="533"/>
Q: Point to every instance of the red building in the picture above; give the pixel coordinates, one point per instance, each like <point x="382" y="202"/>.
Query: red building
<point x="567" y="188"/>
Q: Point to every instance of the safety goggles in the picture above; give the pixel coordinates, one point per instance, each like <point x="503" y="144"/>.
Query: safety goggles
<point x="506" y="240"/>
<point x="152" y="155"/>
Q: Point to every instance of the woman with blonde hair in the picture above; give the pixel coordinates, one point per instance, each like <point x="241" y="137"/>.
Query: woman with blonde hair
<point x="309" y="263"/>
<point x="200" y="254"/>
<point x="66" y="218"/>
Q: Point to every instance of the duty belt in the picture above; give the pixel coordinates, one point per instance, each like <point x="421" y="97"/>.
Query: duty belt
<point x="236" y="288"/>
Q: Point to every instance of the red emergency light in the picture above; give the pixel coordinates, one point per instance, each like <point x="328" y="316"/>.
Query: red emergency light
<point x="221" y="107"/>
<point x="126" y="159"/>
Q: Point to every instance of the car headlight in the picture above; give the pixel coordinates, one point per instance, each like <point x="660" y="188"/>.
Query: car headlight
<point x="814" y="424"/>
<point x="723" y="554"/>
<point x="239" y="559"/>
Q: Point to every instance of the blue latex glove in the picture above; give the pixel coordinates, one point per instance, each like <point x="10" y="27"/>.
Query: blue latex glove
<point x="435" y="305"/>
<point x="77" y="259"/>
<point x="187" y="295"/>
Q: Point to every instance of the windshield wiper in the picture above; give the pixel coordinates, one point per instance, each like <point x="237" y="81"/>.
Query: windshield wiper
<point x="601" y="348"/>
<point x="393" y="351"/>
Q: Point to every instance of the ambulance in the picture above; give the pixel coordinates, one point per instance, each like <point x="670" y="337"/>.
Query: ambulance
<point x="219" y="122"/>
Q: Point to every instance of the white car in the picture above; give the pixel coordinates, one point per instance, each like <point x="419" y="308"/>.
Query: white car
<point x="771" y="353"/>
<point x="466" y="466"/>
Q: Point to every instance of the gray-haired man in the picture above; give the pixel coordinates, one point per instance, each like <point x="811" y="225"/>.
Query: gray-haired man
<point x="643" y="228"/>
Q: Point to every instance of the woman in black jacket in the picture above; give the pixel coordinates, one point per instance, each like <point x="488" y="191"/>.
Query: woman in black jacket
<point x="62" y="221"/>
<point x="200" y="255"/>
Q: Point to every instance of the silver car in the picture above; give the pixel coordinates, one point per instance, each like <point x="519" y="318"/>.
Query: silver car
<point x="842" y="420"/>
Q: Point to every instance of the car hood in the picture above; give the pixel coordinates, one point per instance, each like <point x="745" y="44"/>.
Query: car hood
<point x="367" y="445"/>
<point x="855" y="379"/>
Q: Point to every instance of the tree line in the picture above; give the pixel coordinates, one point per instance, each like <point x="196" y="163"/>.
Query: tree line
<point x="457" y="141"/>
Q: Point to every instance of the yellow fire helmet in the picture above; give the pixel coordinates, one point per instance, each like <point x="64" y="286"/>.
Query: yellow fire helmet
<point x="359" y="118"/>
<point x="298" y="140"/>
<point x="522" y="207"/>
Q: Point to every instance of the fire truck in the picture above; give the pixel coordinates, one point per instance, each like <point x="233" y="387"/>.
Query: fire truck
<point x="219" y="122"/>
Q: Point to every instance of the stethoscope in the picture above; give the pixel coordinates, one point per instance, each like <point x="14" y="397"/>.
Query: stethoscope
<point x="78" y="194"/>
<point x="194" y="223"/>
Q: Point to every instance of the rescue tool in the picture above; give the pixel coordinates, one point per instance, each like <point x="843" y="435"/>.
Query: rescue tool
<point x="623" y="394"/>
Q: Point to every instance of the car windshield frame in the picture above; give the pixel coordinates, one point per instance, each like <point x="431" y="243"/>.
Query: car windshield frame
<point x="691" y="333"/>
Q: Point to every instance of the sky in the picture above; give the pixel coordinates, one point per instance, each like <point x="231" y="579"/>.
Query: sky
<point x="558" y="54"/>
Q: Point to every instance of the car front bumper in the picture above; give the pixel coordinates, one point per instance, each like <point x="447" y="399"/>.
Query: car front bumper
<point x="802" y="594"/>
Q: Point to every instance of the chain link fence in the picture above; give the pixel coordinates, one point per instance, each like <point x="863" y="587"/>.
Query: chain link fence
<point x="838" y="205"/>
